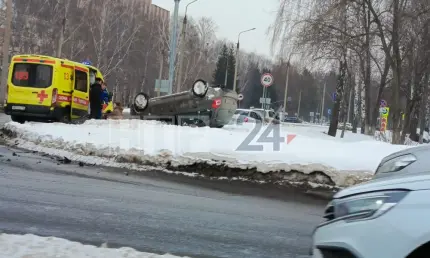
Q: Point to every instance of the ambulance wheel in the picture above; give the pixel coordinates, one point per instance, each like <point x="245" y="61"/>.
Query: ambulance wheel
<point x="18" y="119"/>
<point x="65" y="118"/>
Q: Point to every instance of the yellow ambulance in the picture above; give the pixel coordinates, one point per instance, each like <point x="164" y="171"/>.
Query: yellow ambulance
<point x="44" y="88"/>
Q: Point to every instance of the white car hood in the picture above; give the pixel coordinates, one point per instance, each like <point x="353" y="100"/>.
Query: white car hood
<point x="419" y="181"/>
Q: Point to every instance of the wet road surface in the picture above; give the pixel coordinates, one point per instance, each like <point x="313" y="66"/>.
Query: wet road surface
<point x="154" y="213"/>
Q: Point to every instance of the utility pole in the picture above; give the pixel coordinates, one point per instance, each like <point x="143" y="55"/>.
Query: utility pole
<point x="349" y="103"/>
<point x="61" y="38"/>
<point x="181" y="54"/>
<point x="182" y="48"/>
<point x="237" y="58"/>
<point x="160" y="75"/>
<point x="300" y="100"/>
<point x="173" y="42"/>
<point x="6" y="44"/>
<point x="322" y="101"/>
<point x="62" y="30"/>
<point x="226" y="72"/>
<point x="286" y="87"/>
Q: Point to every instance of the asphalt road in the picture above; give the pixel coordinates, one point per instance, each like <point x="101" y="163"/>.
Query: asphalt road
<point x="155" y="213"/>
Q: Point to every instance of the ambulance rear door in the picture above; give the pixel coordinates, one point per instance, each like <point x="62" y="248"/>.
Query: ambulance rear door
<point x="80" y="96"/>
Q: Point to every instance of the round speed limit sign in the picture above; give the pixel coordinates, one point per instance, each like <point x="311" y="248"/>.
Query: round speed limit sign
<point x="267" y="80"/>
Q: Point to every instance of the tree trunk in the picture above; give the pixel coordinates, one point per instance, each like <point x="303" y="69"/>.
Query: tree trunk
<point x="367" y="71"/>
<point x="397" y="61"/>
<point x="418" y="102"/>
<point x="346" y="101"/>
<point x="339" y="96"/>
<point x="422" y="115"/>
<point x="408" y="113"/>
<point x="354" y="109"/>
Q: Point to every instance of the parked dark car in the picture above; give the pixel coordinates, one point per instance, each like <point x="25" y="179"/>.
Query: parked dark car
<point x="292" y="120"/>
<point x="203" y="105"/>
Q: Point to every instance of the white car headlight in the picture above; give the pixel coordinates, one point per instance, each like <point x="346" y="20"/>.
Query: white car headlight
<point x="396" y="164"/>
<point x="366" y="206"/>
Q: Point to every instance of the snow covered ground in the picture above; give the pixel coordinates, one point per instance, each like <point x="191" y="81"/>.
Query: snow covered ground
<point x="32" y="246"/>
<point x="135" y="140"/>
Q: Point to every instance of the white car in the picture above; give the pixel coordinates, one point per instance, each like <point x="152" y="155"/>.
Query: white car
<point x="268" y="115"/>
<point x="388" y="217"/>
<point x="246" y="116"/>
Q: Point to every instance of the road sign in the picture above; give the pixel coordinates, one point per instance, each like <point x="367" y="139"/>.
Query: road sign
<point x="384" y="118"/>
<point x="311" y="114"/>
<point x="240" y="97"/>
<point x="329" y="111"/>
<point x="384" y="111"/>
<point x="289" y="99"/>
<point x="383" y="103"/>
<point x="333" y="96"/>
<point x="162" y="86"/>
<point x="383" y="126"/>
<point x="265" y="100"/>
<point x="267" y="80"/>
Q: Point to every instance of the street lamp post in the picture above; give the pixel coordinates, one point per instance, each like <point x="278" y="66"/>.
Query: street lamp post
<point x="182" y="47"/>
<point x="286" y="83"/>
<point x="173" y="42"/>
<point x="237" y="58"/>
<point x="6" y="45"/>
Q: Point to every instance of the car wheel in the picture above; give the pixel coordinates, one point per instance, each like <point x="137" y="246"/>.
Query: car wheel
<point x="65" y="119"/>
<point x="18" y="119"/>
<point x="200" y="88"/>
<point x="140" y="102"/>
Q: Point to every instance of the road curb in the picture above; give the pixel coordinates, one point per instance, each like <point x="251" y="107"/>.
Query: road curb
<point x="324" y="195"/>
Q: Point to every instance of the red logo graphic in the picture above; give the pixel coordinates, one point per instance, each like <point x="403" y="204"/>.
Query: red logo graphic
<point x="64" y="98"/>
<point x="21" y="75"/>
<point x="42" y="96"/>
<point x="290" y="138"/>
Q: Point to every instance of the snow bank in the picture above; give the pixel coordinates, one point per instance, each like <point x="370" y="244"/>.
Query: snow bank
<point x="32" y="246"/>
<point x="345" y="161"/>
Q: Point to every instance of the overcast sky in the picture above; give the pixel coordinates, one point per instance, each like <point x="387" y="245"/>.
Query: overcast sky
<point x="232" y="17"/>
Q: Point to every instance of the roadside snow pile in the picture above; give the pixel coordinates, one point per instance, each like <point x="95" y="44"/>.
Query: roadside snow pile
<point x="32" y="246"/>
<point x="213" y="152"/>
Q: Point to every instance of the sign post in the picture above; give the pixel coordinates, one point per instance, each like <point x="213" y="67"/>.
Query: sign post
<point x="267" y="81"/>
<point x="240" y="98"/>
<point x="333" y="96"/>
<point x="384" y="118"/>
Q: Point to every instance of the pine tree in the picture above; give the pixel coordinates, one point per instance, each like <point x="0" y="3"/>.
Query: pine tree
<point x="231" y="67"/>
<point x="221" y="65"/>
<point x="254" y="90"/>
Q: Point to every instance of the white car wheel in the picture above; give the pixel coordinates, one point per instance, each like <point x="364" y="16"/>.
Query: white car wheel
<point x="200" y="88"/>
<point x="140" y="102"/>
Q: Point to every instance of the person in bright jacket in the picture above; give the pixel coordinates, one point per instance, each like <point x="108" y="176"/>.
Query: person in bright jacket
<point x="104" y="96"/>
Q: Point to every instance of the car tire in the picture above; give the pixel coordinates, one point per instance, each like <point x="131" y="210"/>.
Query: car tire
<point x="18" y="119"/>
<point x="141" y="102"/>
<point x="199" y="91"/>
<point x="65" y="118"/>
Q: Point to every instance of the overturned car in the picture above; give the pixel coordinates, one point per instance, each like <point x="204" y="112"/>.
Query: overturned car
<point x="203" y="105"/>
